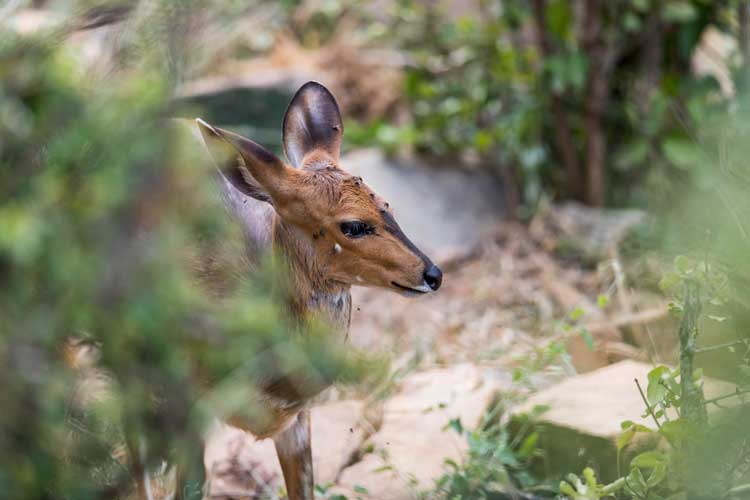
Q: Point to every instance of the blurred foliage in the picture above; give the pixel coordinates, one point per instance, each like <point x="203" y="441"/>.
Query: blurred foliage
<point x="103" y="211"/>
<point x="513" y="87"/>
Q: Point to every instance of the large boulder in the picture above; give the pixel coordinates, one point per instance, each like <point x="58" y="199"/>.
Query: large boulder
<point x="443" y="209"/>
<point x="252" y="105"/>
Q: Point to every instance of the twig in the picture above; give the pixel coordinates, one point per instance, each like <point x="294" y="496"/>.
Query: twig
<point x="648" y="406"/>
<point x="737" y="490"/>
<point x="717" y="347"/>
<point x="639" y="318"/>
<point x="736" y="393"/>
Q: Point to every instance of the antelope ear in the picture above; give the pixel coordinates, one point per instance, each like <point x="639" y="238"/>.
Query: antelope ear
<point x="312" y="121"/>
<point x="248" y="166"/>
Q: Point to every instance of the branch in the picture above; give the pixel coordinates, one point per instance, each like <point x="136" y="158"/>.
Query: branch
<point x="736" y="393"/>
<point x="648" y="406"/>
<point x="717" y="347"/>
<point x="693" y="403"/>
<point x="562" y="130"/>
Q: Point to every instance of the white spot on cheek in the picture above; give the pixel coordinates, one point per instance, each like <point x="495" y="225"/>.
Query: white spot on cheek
<point x="337" y="248"/>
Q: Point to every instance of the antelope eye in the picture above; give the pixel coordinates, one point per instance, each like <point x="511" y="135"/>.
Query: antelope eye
<point x="356" y="229"/>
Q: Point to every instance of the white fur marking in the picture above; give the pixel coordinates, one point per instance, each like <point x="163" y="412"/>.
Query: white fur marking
<point x="337" y="248"/>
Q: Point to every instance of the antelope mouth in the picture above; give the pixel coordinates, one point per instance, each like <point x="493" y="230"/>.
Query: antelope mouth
<point x="411" y="292"/>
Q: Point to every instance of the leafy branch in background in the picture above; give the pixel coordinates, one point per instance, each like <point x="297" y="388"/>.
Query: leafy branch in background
<point x="586" y="100"/>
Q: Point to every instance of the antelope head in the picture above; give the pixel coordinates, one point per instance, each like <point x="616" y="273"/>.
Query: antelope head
<point x="353" y="234"/>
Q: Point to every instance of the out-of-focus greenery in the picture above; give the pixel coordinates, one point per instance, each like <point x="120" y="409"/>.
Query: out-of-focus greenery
<point x="484" y="88"/>
<point x="103" y="210"/>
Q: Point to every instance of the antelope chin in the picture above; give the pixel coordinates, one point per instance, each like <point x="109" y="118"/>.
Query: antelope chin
<point x="407" y="291"/>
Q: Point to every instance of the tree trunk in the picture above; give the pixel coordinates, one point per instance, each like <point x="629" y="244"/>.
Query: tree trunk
<point x="650" y="67"/>
<point x="562" y="130"/>
<point x="601" y="55"/>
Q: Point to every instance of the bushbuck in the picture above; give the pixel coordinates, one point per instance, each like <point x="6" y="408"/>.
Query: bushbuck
<point x="332" y="230"/>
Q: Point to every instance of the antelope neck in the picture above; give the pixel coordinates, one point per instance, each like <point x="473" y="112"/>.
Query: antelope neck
<point x="309" y="292"/>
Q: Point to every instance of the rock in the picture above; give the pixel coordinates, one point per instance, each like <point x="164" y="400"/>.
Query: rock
<point x="585" y="412"/>
<point x="236" y="463"/>
<point x="252" y="105"/>
<point x="595" y="232"/>
<point x="442" y="209"/>
<point x="410" y="449"/>
<point x="712" y="56"/>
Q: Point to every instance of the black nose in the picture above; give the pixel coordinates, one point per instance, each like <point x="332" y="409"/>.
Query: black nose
<point x="433" y="277"/>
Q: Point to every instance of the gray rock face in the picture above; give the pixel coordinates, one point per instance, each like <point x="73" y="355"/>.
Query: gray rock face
<point x="594" y="232"/>
<point x="253" y="106"/>
<point x="439" y="208"/>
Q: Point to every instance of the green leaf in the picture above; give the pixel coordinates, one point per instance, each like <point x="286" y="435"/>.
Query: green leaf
<point x="588" y="339"/>
<point x="636" y="481"/>
<point x="649" y="460"/>
<point x="627" y="424"/>
<point x="602" y="300"/>
<point x="624" y="439"/>
<point x="590" y="477"/>
<point x="576" y="314"/>
<point x="360" y="489"/>
<point x="656" y="391"/>
<point x="657" y="475"/>
<point x="456" y="425"/>
<point x="528" y="446"/>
